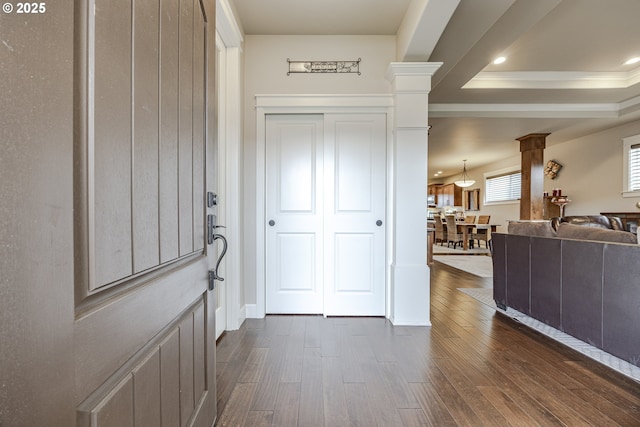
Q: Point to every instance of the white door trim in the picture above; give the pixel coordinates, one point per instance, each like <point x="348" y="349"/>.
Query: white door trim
<point x="313" y="104"/>
<point x="222" y="310"/>
<point x="229" y="37"/>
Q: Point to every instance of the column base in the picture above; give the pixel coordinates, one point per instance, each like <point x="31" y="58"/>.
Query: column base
<point x="410" y="295"/>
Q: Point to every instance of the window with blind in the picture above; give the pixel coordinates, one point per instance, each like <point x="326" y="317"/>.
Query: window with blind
<point x="502" y="186"/>
<point x="634" y="167"/>
<point x="631" y="166"/>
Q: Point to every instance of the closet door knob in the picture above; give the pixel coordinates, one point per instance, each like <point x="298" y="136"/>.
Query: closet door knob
<point x="272" y="222"/>
<point x="378" y="223"/>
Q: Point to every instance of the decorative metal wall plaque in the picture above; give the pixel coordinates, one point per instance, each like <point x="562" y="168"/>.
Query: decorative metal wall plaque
<point x="324" y="66"/>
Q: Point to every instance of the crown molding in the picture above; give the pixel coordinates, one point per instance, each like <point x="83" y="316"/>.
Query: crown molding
<point x="553" y="80"/>
<point x="611" y="110"/>
<point x="411" y="69"/>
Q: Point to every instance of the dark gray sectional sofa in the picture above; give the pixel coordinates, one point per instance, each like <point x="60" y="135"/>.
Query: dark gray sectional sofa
<point x="586" y="288"/>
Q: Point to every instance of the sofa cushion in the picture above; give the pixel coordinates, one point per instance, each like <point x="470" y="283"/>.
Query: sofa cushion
<point x="580" y="232"/>
<point x="600" y="221"/>
<point x="616" y="223"/>
<point x="531" y="228"/>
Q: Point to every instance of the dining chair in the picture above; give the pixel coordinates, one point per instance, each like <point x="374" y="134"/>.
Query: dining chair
<point x="482" y="234"/>
<point x="441" y="229"/>
<point x="452" y="231"/>
<point x="470" y="219"/>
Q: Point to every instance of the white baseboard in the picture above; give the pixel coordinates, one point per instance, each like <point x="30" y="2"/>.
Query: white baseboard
<point x="400" y="322"/>
<point x="233" y="324"/>
<point x="242" y="315"/>
<point x="251" y="311"/>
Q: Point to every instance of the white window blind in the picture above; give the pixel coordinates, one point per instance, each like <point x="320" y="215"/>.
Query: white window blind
<point x="503" y="188"/>
<point x="634" y="168"/>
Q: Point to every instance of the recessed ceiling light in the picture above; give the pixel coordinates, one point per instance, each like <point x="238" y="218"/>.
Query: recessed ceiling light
<point x="499" y="60"/>
<point x="632" y="60"/>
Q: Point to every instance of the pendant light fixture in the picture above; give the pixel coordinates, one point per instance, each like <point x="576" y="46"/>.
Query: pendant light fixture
<point x="465" y="181"/>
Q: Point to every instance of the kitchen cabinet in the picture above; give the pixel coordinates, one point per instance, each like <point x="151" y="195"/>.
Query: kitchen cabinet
<point x="432" y="193"/>
<point x="450" y="195"/>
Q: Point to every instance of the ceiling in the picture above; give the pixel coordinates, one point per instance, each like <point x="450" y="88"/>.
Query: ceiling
<point x="564" y="72"/>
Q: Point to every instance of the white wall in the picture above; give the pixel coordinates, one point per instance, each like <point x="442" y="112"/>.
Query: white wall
<point x="592" y="172"/>
<point x="266" y="68"/>
<point x="591" y="175"/>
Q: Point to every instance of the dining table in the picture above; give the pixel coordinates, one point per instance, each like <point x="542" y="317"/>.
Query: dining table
<point x="466" y="229"/>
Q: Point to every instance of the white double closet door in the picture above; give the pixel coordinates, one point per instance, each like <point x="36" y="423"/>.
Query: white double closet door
<point x="325" y="212"/>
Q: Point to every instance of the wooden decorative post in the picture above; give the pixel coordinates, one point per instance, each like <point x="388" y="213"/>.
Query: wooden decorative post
<point x="532" y="200"/>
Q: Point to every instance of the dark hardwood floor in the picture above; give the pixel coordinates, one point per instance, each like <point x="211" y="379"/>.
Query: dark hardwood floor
<point x="473" y="367"/>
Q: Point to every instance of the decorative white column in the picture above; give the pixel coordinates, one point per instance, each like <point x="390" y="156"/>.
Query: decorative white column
<point x="410" y="281"/>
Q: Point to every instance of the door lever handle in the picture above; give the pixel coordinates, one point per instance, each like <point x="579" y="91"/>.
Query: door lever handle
<point x="213" y="274"/>
<point x="211" y="226"/>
